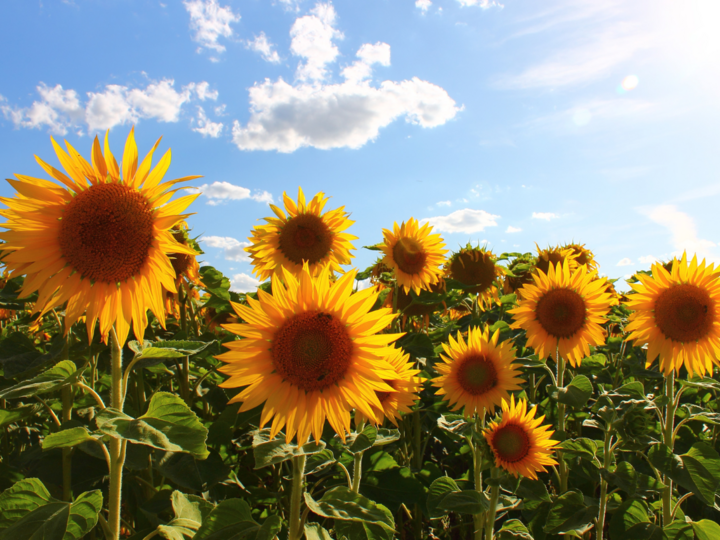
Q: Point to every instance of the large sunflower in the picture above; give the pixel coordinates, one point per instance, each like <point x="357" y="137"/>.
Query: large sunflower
<point x="563" y="310"/>
<point x="518" y="441"/>
<point x="477" y="374"/>
<point x="414" y="254"/>
<point x="305" y="234"/>
<point x="311" y="351"/>
<point x="677" y="314"/>
<point x="477" y="266"/>
<point x="100" y="243"/>
<point x="406" y="387"/>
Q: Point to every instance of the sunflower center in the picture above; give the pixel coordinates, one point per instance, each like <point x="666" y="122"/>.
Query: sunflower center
<point x="683" y="313"/>
<point x="305" y="237"/>
<point x="477" y="374"/>
<point x="511" y="443"/>
<point x="106" y="232"/>
<point x="312" y="350"/>
<point x="561" y="312"/>
<point x="480" y="272"/>
<point x="409" y="255"/>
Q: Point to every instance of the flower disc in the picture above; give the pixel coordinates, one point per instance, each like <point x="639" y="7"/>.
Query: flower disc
<point x="677" y="314"/>
<point x="552" y="256"/>
<point x="520" y="445"/>
<point x="477" y="266"/>
<point x="561" y="312"/>
<point x="477" y="374"/>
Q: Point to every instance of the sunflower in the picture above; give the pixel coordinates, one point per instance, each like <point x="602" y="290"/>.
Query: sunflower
<point x="305" y="234"/>
<point x="677" y="314"/>
<point x="414" y="254"/>
<point x="477" y="375"/>
<point x="582" y="255"/>
<point x="187" y="273"/>
<point x="477" y="266"/>
<point x="518" y="441"/>
<point x="406" y="387"/>
<point x="311" y="351"/>
<point x="551" y="256"/>
<point x="563" y="310"/>
<point x="519" y="274"/>
<point x="100" y="243"/>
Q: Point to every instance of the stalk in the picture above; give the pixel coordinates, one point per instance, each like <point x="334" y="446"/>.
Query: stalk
<point x="668" y="439"/>
<point x="117" y="446"/>
<point x="296" y="497"/>
<point x="494" y="495"/>
<point x="357" y="471"/>
<point x="477" y="474"/>
<point x="67" y="407"/>
<point x="562" y="465"/>
<point x="599" y="528"/>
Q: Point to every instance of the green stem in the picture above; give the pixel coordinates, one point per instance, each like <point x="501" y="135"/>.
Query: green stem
<point x="477" y="474"/>
<point x="669" y="440"/>
<point x="494" y="495"/>
<point x="562" y="465"/>
<point x="67" y="407"/>
<point x="357" y="471"/>
<point x="296" y="498"/>
<point x="117" y="446"/>
<point x="607" y="454"/>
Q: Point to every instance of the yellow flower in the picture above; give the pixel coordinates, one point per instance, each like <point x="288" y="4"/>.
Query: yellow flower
<point x="563" y="311"/>
<point x="477" y="266"/>
<point x="311" y="351"/>
<point x="677" y="314"/>
<point x="520" y="444"/>
<point x="101" y="243"/>
<point x="522" y="269"/>
<point x="479" y="374"/>
<point x="305" y="234"/>
<point x="551" y="256"/>
<point x="582" y="255"/>
<point x="414" y="254"/>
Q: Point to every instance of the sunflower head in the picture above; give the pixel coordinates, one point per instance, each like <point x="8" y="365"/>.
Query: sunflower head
<point x="520" y="272"/>
<point x="677" y="314"/>
<point x="551" y="256"/>
<point x="100" y="241"/>
<point x="477" y="266"/>
<point x="582" y="255"/>
<point x="311" y="352"/>
<point x="477" y="374"/>
<point x="563" y="310"/>
<point x="519" y="443"/>
<point x="186" y="266"/>
<point x="414" y="254"/>
<point x="302" y="235"/>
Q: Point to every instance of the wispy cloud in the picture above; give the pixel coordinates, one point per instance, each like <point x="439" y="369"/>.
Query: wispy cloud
<point x="232" y="248"/>
<point x="261" y="45"/>
<point x="423" y="5"/>
<point x="512" y="229"/>
<point x="547" y="216"/>
<point x="206" y="127"/>
<point x="218" y="192"/>
<point x="210" y="22"/>
<point x="466" y="220"/>
<point x="243" y="283"/>
<point x="683" y="231"/>
<point x="624" y="262"/>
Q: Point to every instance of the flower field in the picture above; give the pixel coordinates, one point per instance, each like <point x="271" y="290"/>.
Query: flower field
<point x="433" y="395"/>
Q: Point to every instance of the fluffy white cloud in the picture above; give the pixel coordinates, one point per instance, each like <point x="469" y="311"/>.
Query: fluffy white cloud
<point x="484" y="4"/>
<point x="547" y="216"/>
<point x="648" y="259"/>
<point x="262" y="46"/>
<point x="683" y="232"/>
<point x="206" y="127"/>
<point x="624" y="262"/>
<point x="368" y="54"/>
<point x="219" y="191"/>
<point x="210" y="22"/>
<point x="243" y="283"/>
<point x="312" y="39"/>
<point x="202" y="90"/>
<point x="58" y="109"/>
<point x="423" y="5"/>
<point x="512" y="229"/>
<point x="233" y="249"/>
<point x="466" y="220"/>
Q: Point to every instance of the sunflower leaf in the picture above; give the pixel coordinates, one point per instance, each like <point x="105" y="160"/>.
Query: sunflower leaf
<point x="630" y="513"/>
<point x="569" y="513"/>
<point x="577" y="393"/>
<point x="436" y="493"/>
<point x="20" y="499"/>
<point x="61" y="374"/>
<point x="356" y="530"/>
<point x="230" y="519"/>
<point x="343" y="504"/>
<point x="467" y="501"/>
<point x="11" y="416"/>
<point x="359" y="442"/>
<point x="271" y="451"/>
<point x="67" y="438"/>
<point x="706" y="529"/>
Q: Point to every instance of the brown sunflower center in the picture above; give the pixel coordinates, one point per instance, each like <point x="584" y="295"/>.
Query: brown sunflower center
<point x="306" y="237"/>
<point x="382" y="396"/>
<point x="561" y="312"/>
<point x="312" y="350"/>
<point x="477" y="374"/>
<point x="180" y="261"/>
<point x="469" y="271"/>
<point x="106" y="232"/>
<point x="409" y="255"/>
<point x="511" y="443"/>
<point x="684" y="313"/>
<point x="545" y="260"/>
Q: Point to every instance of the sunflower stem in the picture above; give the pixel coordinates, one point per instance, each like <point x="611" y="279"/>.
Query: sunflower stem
<point x="607" y="454"/>
<point x="296" y="496"/>
<point x="117" y="446"/>
<point x="477" y="473"/>
<point x="494" y="495"/>
<point x="562" y="465"/>
<point x="669" y="440"/>
<point x="67" y="408"/>
<point x="357" y="471"/>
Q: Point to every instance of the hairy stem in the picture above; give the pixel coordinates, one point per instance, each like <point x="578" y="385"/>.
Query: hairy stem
<point x="357" y="471"/>
<point x="607" y="454"/>
<point x="117" y="446"/>
<point x="494" y="495"/>
<point x="477" y="473"/>
<point x="562" y="465"/>
<point x="669" y="440"/>
<point x="296" y="497"/>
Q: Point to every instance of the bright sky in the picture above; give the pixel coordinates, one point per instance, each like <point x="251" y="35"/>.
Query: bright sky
<point x="510" y="124"/>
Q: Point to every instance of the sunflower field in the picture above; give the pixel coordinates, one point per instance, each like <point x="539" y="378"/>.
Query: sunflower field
<point x="434" y="395"/>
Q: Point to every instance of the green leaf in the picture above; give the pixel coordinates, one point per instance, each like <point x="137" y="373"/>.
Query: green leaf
<point x="582" y="447"/>
<point x="569" y="513"/>
<point x="577" y="393"/>
<point x="190" y="506"/>
<point x="417" y="345"/>
<point x="67" y="438"/>
<point x="168" y="424"/>
<point x="8" y="417"/>
<point x="436" y="492"/>
<point x="393" y="487"/>
<point x="269" y="452"/>
<point x="595" y="360"/>
<point x="628" y="479"/>
<point x="533" y="493"/>
<point x="693" y="471"/>
<point x="190" y="473"/>
<point x="320" y="461"/>
<point x="357" y="530"/>
<point x="315" y="531"/>
<point x="61" y="374"/>
<point x="229" y="520"/>
<point x="359" y="442"/>
<point x="467" y="501"/>
<point x="343" y="504"/>
<point x="646" y="531"/>
<point x="84" y="514"/>
<point x="386" y="436"/>
<point x="679" y="530"/>
<point x="630" y="512"/>
<point x="456" y="424"/>
<point x="270" y="528"/>
<point x="21" y="499"/>
<point x="513" y="529"/>
<point x="706" y="529"/>
<point x="151" y="353"/>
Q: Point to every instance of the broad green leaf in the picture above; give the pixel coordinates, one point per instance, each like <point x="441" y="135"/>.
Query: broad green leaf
<point x="315" y="531"/>
<point x="357" y="530"/>
<point x="513" y="529"/>
<point x="679" y="530"/>
<point x="583" y="448"/>
<point x="21" y="499"/>
<point x="270" y="528"/>
<point x="231" y="519"/>
<point x="467" y="501"/>
<point x="393" y="487"/>
<point x="191" y="473"/>
<point x="436" y="492"/>
<point x="359" y="442"/>
<point x="628" y="479"/>
<point x="646" y="531"/>
<point x="631" y="512"/>
<point x="269" y="452"/>
<point x="386" y="436"/>
<point x="83" y="514"/>
<point x="8" y="417"/>
<point x="320" y="461"/>
<point x="67" y="438"/>
<point x="569" y="513"/>
<point x="595" y="360"/>
<point x="533" y="493"/>
<point x="672" y="465"/>
<point x="168" y="425"/>
<point x="456" y="424"/>
<point x="345" y="505"/>
<point x="59" y="375"/>
<point x="577" y="393"/>
<point x="706" y="529"/>
<point x="418" y="345"/>
<point x="190" y="506"/>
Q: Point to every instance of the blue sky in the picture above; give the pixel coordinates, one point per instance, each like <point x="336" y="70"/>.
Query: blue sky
<point x="507" y="122"/>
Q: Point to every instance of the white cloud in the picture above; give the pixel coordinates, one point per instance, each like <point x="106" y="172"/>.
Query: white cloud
<point x="648" y="259"/>
<point x="312" y="39"/>
<point x="368" y="54"/>
<point x="444" y="203"/>
<point x="206" y="127"/>
<point x="243" y="283"/>
<point x="233" y="249"/>
<point x="58" y="109"/>
<point x="512" y="229"/>
<point x="202" y="89"/>
<point x="624" y="262"/>
<point x="466" y="220"/>
<point x="547" y="216"/>
<point x="210" y="22"/>
<point x="484" y="4"/>
<point x="423" y="5"/>
<point x="219" y="191"/>
<point x="362" y="284"/>
<point x="262" y="46"/>
<point x="683" y="232"/>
